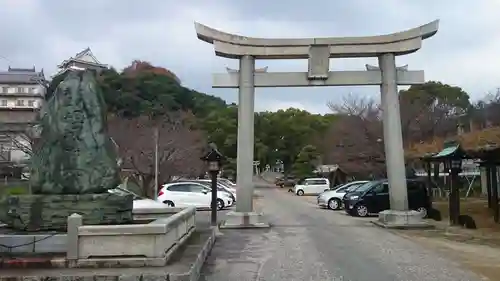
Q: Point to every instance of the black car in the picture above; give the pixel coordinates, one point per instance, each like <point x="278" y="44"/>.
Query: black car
<point x="373" y="197"/>
<point x="286" y="181"/>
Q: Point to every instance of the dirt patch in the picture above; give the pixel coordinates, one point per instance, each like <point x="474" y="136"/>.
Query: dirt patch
<point x="478" y="250"/>
<point x="484" y="260"/>
<point x="477" y="208"/>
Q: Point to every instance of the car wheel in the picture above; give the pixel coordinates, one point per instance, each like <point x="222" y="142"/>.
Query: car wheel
<point x="169" y="203"/>
<point x="361" y="210"/>
<point x="300" y="192"/>
<point x="334" y="204"/>
<point x="423" y="211"/>
<point x="220" y="204"/>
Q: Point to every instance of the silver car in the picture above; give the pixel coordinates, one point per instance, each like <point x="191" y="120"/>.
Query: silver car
<point x="332" y="199"/>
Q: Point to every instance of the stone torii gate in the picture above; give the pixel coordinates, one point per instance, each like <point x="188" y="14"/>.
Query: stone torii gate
<point x="318" y="52"/>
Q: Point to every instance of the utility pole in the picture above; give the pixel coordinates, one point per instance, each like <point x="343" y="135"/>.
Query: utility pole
<point x="156" y="140"/>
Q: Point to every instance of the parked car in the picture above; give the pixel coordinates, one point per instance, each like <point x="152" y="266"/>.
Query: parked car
<point x="286" y="181"/>
<point x="332" y="199"/>
<point x="311" y="186"/>
<point x="226" y="182"/>
<point x="373" y="197"/>
<point x="220" y="187"/>
<point x="186" y="194"/>
<point x="139" y="201"/>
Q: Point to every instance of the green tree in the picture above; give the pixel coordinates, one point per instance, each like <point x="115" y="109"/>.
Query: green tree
<point x="285" y="132"/>
<point x="153" y="91"/>
<point x="432" y="109"/>
<point x="305" y="162"/>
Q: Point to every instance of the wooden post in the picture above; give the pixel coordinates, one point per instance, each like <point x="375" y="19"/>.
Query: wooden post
<point x="429" y="179"/>
<point x="494" y="193"/>
<point x="435" y="175"/>
<point x="488" y="184"/>
<point x="454" y="198"/>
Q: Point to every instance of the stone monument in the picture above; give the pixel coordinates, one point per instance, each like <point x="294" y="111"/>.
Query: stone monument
<point x="73" y="165"/>
<point x="318" y="52"/>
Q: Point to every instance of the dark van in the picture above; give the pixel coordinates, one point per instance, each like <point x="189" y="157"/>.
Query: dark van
<point x="373" y="197"/>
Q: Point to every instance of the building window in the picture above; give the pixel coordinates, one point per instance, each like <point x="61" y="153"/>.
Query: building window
<point x="4" y="152"/>
<point x="5" y="90"/>
<point x="20" y="102"/>
<point x="4" y="102"/>
<point x="31" y="103"/>
<point x="31" y="90"/>
<point x="21" y="90"/>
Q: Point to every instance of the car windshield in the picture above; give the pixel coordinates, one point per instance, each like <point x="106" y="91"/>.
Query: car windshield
<point x="208" y="185"/>
<point x="367" y="186"/>
<point x="354" y="187"/>
<point x="337" y="187"/>
<point x="123" y="191"/>
<point x="226" y="182"/>
<point x="223" y="184"/>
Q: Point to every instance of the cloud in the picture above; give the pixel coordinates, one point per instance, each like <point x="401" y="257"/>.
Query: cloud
<point x="43" y="33"/>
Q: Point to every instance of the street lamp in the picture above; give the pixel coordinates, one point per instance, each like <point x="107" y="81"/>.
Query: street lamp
<point x="213" y="158"/>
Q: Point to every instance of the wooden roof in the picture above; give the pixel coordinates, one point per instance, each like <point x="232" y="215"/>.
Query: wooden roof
<point x="473" y="141"/>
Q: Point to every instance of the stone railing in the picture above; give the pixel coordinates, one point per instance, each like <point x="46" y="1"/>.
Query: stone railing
<point x="150" y="214"/>
<point x="153" y="242"/>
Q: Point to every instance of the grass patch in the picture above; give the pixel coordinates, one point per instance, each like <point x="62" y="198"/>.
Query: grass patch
<point x="477" y="208"/>
<point x="14" y="189"/>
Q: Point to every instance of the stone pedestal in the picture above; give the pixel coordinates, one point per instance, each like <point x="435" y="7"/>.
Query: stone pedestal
<point x="401" y="220"/>
<point x="244" y="220"/>
<point x="50" y="212"/>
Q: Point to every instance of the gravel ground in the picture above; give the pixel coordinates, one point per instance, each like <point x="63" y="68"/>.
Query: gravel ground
<point x="308" y="243"/>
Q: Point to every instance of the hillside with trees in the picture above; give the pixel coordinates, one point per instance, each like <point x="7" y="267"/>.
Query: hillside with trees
<point x="147" y="102"/>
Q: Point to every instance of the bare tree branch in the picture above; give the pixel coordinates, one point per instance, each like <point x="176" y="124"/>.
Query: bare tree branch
<point x="355" y="139"/>
<point x="178" y="146"/>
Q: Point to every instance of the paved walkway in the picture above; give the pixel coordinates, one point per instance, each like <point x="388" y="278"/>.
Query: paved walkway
<point x="307" y="243"/>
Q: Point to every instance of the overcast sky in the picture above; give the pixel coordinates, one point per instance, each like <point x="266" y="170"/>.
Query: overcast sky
<point x="465" y="51"/>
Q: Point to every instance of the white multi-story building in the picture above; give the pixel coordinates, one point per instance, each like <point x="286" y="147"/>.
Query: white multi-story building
<point x="21" y="89"/>
<point x="22" y="93"/>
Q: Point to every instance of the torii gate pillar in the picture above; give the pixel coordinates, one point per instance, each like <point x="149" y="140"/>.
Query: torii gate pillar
<point x="393" y="140"/>
<point x="244" y="161"/>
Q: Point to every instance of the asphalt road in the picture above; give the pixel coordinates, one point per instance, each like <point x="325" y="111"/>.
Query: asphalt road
<point x="308" y="243"/>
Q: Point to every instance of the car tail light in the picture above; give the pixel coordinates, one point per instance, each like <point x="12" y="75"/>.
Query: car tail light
<point x="160" y="193"/>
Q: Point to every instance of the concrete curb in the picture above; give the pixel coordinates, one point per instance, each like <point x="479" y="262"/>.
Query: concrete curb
<point x="193" y="274"/>
<point x="115" y="274"/>
<point x="409" y="226"/>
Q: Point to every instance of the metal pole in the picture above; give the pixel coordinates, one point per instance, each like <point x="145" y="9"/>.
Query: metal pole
<point x="213" y="219"/>
<point x="156" y="136"/>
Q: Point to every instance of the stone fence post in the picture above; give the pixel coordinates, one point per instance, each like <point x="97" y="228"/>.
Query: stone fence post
<point x="74" y="222"/>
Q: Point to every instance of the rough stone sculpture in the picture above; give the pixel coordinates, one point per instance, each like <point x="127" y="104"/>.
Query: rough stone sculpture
<point x="76" y="155"/>
<point x="73" y="164"/>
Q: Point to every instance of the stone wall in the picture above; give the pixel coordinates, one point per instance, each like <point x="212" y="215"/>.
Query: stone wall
<point x="50" y="212"/>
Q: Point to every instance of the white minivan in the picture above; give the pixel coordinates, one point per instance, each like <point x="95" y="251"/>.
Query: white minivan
<point x="311" y="186"/>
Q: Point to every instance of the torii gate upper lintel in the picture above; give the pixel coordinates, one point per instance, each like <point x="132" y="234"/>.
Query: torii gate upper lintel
<point x="318" y="52"/>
